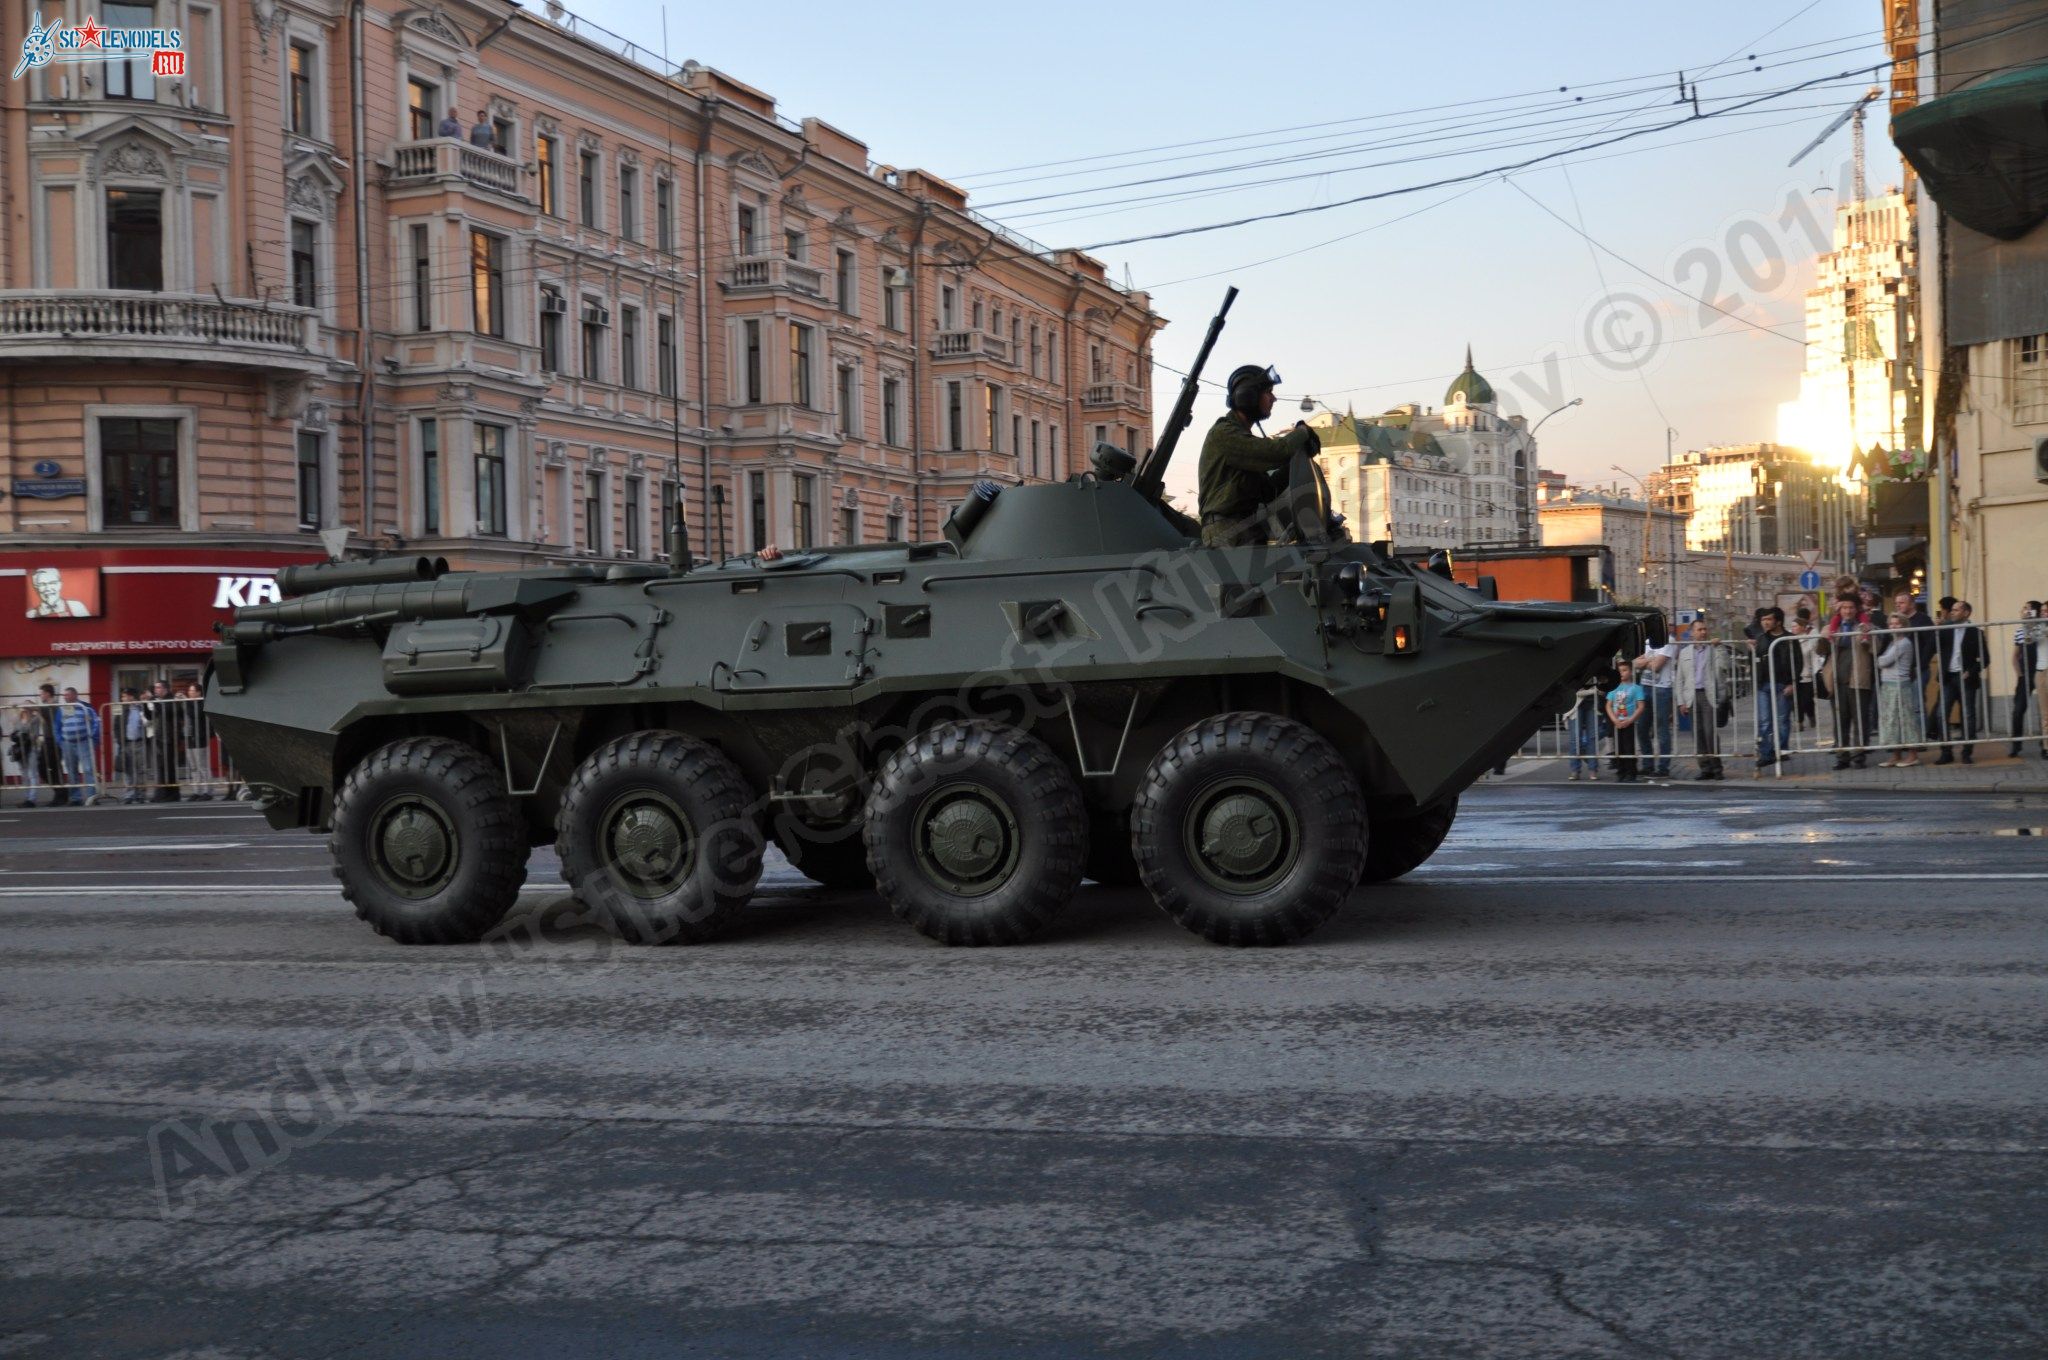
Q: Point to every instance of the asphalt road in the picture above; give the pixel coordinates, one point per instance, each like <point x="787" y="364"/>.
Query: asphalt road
<point x="1647" y="1072"/>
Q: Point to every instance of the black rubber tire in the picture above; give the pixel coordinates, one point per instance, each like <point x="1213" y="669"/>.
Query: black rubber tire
<point x="1296" y="773"/>
<point x="1397" y="845"/>
<point x="1111" y="861"/>
<point x="443" y="787"/>
<point x="1042" y="847"/>
<point x="836" y="859"/>
<point x="700" y="794"/>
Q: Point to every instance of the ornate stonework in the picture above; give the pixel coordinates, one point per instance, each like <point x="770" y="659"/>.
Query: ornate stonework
<point x="133" y="160"/>
<point x="435" y="25"/>
<point x="754" y="163"/>
<point x="309" y="193"/>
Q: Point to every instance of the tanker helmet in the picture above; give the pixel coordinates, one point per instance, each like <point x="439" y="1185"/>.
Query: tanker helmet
<point x="1247" y="382"/>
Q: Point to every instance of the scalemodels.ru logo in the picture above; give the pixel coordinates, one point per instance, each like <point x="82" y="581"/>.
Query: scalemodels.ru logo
<point x="87" y="41"/>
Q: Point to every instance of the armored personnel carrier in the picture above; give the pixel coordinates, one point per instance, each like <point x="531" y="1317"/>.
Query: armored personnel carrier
<point x="1064" y="686"/>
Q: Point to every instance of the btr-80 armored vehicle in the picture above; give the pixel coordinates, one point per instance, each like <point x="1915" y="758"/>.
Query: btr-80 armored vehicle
<point x="1066" y="685"/>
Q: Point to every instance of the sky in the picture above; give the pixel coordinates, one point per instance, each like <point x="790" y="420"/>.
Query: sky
<point x="1705" y="213"/>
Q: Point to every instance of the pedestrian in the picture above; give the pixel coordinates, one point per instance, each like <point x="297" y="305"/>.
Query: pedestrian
<point x="1702" y="690"/>
<point x="1582" y="729"/>
<point x="78" y="741"/>
<point x="1898" y="709"/>
<point x="2025" y="662"/>
<point x="163" y="743"/>
<point x="1921" y="625"/>
<point x="1848" y="660"/>
<point x="1656" y="671"/>
<point x="132" y="723"/>
<point x="1625" y="704"/>
<point x="49" y="760"/>
<point x="481" y="133"/>
<point x="1962" y="676"/>
<point x="2040" y="635"/>
<point x="1777" y="657"/>
<point x="25" y="744"/>
<point x="450" y="125"/>
<point x="196" y="736"/>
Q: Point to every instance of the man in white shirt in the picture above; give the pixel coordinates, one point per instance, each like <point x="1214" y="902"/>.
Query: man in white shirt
<point x="1655" y="671"/>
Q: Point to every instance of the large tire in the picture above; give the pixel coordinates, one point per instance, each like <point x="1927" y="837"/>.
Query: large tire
<point x="1399" y="844"/>
<point x="1111" y="861"/>
<point x="976" y="834"/>
<point x="837" y="858"/>
<point x="426" y="843"/>
<point x="1249" y="829"/>
<point x="655" y="834"/>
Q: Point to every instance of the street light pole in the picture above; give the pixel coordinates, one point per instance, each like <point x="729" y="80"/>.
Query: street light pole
<point x="1644" y="569"/>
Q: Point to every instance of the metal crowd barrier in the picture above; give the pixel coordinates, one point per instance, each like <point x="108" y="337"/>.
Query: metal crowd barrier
<point x="150" y="750"/>
<point x="1799" y="699"/>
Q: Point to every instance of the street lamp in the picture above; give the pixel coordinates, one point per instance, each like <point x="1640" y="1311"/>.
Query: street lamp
<point x="1671" y="563"/>
<point x="1575" y="401"/>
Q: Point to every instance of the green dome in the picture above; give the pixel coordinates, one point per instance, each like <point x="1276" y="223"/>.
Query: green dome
<point x="1473" y="388"/>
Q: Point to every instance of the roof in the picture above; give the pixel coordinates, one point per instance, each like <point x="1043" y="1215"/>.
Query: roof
<point x="1473" y="388"/>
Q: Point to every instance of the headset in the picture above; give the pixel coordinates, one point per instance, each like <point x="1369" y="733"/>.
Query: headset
<point x="1249" y="381"/>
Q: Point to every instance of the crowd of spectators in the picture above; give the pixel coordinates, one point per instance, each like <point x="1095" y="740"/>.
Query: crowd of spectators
<point x="154" y="747"/>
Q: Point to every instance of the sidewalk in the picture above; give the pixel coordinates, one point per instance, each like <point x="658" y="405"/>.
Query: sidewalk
<point x="1993" y="772"/>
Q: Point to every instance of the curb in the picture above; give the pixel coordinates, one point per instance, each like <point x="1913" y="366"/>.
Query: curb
<point x="1778" y="786"/>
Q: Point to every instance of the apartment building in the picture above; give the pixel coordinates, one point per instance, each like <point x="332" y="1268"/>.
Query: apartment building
<point x="492" y="284"/>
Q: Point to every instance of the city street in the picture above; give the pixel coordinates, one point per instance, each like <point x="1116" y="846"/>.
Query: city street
<point x="1620" y="1073"/>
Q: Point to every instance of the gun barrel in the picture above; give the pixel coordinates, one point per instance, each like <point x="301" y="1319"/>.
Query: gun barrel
<point x="381" y="571"/>
<point x="1151" y="478"/>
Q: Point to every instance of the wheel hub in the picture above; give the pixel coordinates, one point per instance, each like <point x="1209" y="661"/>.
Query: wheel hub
<point x="414" y="846"/>
<point x="648" y="844"/>
<point x="1242" y="836"/>
<point x="967" y="840"/>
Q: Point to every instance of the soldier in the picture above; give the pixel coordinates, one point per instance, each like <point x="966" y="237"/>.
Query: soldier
<point x="1237" y="470"/>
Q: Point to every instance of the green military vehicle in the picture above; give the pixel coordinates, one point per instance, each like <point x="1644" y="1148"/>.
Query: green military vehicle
<point x="1065" y="685"/>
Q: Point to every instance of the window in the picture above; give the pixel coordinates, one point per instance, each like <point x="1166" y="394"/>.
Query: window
<point x="430" y="476"/>
<point x="665" y="355"/>
<point x="1052" y="357"/>
<point x="138" y="473"/>
<point x="129" y="77"/>
<point x="594" y="319"/>
<point x="305" y="264"/>
<point x="1052" y="451"/>
<point x="135" y="239"/>
<point x="845" y="284"/>
<point x="1101" y="436"/>
<point x="995" y="321"/>
<point x="586" y="188"/>
<point x="747" y="223"/>
<point x="1034" y="448"/>
<point x="299" y="61"/>
<point x="800" y="364"/>
<point x="803" y="508"/>
<point x="593" y="512"/>
<point x="849" y="525"/>
<point x="309" y="479"/>
<point x="629" y="347"/>
<point x="1035" y="355"/>
<point x="629" y="203"/>
<point x="849" y="402"/>
<point x="978" y="314"/>
<point x="1017" y="438"/>
<point x="892" y="411"/>
<point x="665" y="215"/>
<point x="636" y="514"/>
<point x="757" y="509"/>
<point x="796" y="245"/>
<point x="546" y="150"/>
<point x="949" y="307"/>
<point x="892" y="301"/>
<point x="956" y="435"/>
<point x="894" y="528"/>
<point x="421" y="99"/>
<point x="490" y="479"/>
<point x="422" y="279"/>
<point x="750" y="386"/>
<point x="994" y="418"/>
<point x="551" y="309"/>
<point x="501" y="136"/>
<point x="1094" y="363"/>
<point x="487" y="281"/>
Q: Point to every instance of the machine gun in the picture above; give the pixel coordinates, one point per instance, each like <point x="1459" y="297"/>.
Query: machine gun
<point x="1151" y="478"/>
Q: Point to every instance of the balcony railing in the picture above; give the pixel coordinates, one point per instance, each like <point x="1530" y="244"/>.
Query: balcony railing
<point x="446" y="158"/>
<point x="773" y="273"/>
<point x="970" y="345"/>
<point x="138" y="325"/>
<point x="1114" y="394"/>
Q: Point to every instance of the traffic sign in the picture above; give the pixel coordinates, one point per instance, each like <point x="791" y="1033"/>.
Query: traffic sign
<point x="1809" y="580"/>
<point x="1809" y="558"/>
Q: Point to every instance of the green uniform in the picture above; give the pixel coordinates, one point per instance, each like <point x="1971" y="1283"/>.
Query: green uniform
<point x="1236" y="477"/>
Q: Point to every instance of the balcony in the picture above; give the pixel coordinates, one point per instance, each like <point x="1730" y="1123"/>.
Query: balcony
<point x="773" y="274"/>
<point x="169" y="326"/>
<point x="1098" y="396"/>
<point x="444" y="159"/>
<point x="970" y="345"/>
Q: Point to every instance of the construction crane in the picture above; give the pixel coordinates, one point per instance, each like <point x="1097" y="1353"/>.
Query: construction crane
<point x="1852" y="115"/>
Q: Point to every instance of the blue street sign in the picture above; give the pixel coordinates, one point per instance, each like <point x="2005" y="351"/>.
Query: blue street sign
<point x="1809" y="580"/>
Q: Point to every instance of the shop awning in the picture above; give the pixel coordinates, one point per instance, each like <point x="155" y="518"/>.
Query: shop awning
<point x="1983" y="151"/>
